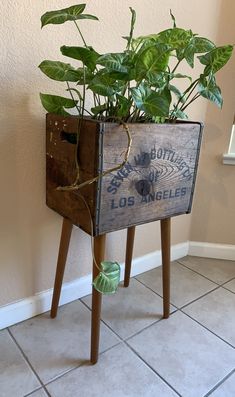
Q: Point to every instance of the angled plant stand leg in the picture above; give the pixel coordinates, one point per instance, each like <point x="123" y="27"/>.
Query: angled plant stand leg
<point x="99" y="249"/>
<point x="61" y="262"/>
<point x="129" y="253"/>
<point x="166" y="247"/>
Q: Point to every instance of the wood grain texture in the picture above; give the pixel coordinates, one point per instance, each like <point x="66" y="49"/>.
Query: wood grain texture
<point x="156" y="183"/>
<point x="61" y="169"/>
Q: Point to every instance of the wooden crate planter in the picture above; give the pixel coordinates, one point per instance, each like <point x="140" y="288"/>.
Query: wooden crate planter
<point x="157" y="182"/>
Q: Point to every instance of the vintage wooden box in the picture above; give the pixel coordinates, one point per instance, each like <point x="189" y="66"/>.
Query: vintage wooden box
<point x="157" y="182"/>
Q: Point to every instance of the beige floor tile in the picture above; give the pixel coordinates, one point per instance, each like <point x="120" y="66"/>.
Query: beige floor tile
<point x="217" y="312"/>
<point x="227" y="389"/>
<point x="39" y="393"/>
<point x="230" y="285"/>
<point x="185" y="284"/>
<point x="217" y="270"/>
<point x="130" y="309"/>
<point x="54" y="346"/>
<point x="185" y="354"/>
<point x="119" y="373"/>
<point x="16" y="377"/>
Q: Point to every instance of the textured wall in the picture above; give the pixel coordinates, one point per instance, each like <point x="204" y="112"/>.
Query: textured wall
<point x="214" y="206"/>
<point x="29" y="230"/>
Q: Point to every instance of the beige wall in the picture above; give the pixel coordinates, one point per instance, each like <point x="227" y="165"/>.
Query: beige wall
<point x="29" y="231"/>
<point x="213" y="217"/>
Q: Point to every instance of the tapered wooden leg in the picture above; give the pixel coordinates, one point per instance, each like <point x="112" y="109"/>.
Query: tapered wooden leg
<point x="166" y="245"/>
<point x="129" y="252"/>
<point x="99" y="248"/>
<point x="62" y="256"/>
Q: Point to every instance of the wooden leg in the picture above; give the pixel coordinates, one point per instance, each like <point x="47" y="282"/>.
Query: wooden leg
<point x="166" y="245"/>
<point x="129" y="252"/>
<point x="99" y="248"/>
<point x="62" y="256"/>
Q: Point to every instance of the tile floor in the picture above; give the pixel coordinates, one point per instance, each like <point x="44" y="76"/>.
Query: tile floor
<point x="190" y="355"/>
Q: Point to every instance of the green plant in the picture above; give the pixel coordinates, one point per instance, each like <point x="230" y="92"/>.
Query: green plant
<point x="140" y="83"/>
<point x="136" y="85"/>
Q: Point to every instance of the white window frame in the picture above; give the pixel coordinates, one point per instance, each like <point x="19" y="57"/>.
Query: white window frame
<point x="229" y="158"/>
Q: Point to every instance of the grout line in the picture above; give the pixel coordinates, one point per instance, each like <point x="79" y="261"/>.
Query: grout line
<point x="152" y="369"/>
<point x="135" y="333"/>
<point x="156" y="293"/>
<point x="219" y="383"/>
<point x="229" y="290"/>
<point x="32" y="393"/>
<point x="83" y="364"/>
<point x="207" y="278"/>
<point x="192" y="270"/>
<point x="29" y="364"/>
<point x="228" y="281"/>
<point x="212" y="332"/>
<point x="201" y="296"/>
<point x="189" y="303"/>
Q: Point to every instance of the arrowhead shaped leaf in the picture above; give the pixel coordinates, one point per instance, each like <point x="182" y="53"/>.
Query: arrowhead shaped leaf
<point x="151" y="102"/>
<point x="197" y="45"/>
<point x="177" y="38"/>
<point x="56" y="104"/>
<point x="124" y="105"/>
<point x="179" y="114"/>
<point x="216" y="58"/>
<point x="72" y="13"/>
<point x="153" y="59"/>
<point x="108" y="279"/>
<point x="86" y="55"/>
<point x="103" y="84"/>
<point x="210" y="90"/>
<point x="114" y="61"/>
<point x="59" y="71"/>
<point x="177" y="92"/>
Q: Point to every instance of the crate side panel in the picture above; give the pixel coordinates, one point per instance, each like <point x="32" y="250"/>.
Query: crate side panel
<point x="157" y="181"/>
<point x="61" y="169"/>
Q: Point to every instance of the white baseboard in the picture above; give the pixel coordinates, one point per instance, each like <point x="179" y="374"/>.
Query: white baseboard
<point x="40" y="303"/>
<point x="210" y="250"/>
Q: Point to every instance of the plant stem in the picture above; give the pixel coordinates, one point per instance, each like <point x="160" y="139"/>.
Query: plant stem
<point x="190" y="90"/>
<point x="192" y="100"/>
<point x="176" y="66"/>
<point x="71" y="94"/>
<point x="82" y="37"/>
<point x="80" y="126"/>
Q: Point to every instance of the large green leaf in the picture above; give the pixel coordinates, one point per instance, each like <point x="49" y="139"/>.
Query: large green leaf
<point x="151" y="102"/>
<point x="178" y="114"/>
<point x="208" y="89"/>
<point x="153" y="59"/>
<point x="157" y="80"/>
<point x="176" y="38"/>
<point x="105" y="85"/>
<point x="59" y="71"/>
<point x="99" y="109"/>
<point x="216" y="58"/>
<point x="84" y="73"/>
<point x="72" y="13"/>
<point x="197" y="45"/>
<point x="56" y="104"/>
<point x="114" y="61"/>
<point x="87" y="55"/>
<point x="108" y="279"/>
<point x="124" y="105"/>
<point x="177" y="92"/>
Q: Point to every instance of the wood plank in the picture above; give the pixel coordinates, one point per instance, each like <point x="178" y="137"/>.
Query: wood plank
<point x="157" y="182"/>
<point x="61" y="170"/>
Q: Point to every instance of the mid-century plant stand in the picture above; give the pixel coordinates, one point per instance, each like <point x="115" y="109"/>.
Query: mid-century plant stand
<point x="156" y="183"/>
